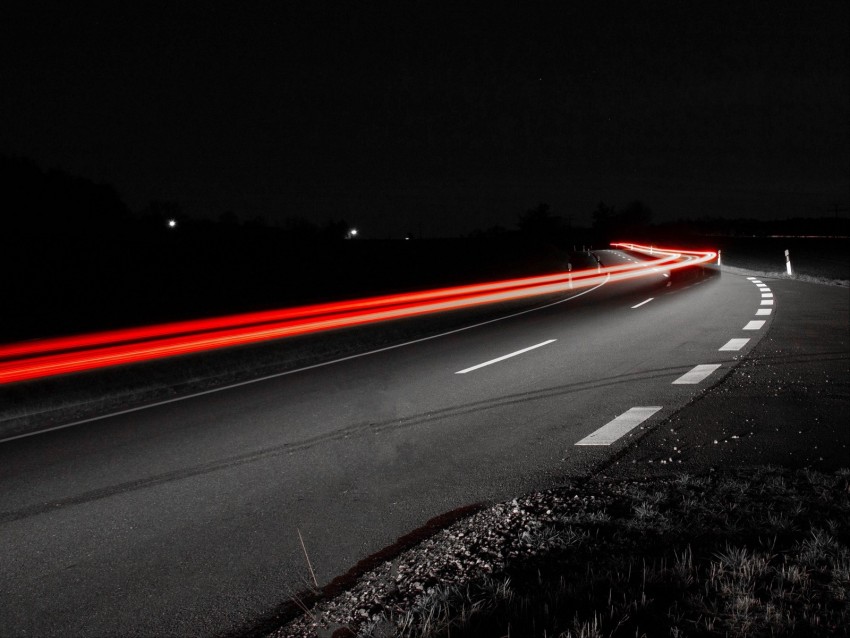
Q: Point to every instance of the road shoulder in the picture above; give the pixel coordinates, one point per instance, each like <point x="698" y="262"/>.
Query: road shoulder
<point x="786" y="404"/>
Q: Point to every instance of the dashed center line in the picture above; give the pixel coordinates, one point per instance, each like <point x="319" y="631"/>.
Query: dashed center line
<point x="507" y="356"/>
<point x="734" y="344"/>
<point x="696" y="375"/>
<point x="630" y="419"/>
<point x="623" y="424"/>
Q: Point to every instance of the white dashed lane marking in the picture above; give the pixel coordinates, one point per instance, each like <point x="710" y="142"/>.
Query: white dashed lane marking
<point x="734" y="345"/>
<point x="696" y="375"/>
<point x="643" y="302"/>
<point x="507" y="356"/>
<point x="630" y="419"/>
<point x="623" y="424"/>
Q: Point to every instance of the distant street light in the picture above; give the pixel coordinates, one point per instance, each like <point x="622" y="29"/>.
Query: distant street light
<point x="351" y="234"/>
<point x="172" y="223"/>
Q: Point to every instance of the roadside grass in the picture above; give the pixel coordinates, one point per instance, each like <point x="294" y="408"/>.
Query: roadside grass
<point x="762" y="551"/>
<point x="740" y="555"/>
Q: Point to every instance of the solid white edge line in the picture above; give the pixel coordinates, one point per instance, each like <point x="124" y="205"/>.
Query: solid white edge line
<point x="304" y="369"/>
<point x="506" y="356"/>
<point x="734" y="344"/>
<point x="643" y="302"/>
<point x="755" y="324"/>
<point x="697" y="374"/>
<point x="620" y="426"/>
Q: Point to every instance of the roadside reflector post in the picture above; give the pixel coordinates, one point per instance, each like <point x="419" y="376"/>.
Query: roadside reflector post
<point x="718" y="258"/>
<point x="788" y="264"/>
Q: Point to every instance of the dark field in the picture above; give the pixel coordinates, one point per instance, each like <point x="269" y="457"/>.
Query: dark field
<point x="824" y="259"/>
<point x="78" y="285"/>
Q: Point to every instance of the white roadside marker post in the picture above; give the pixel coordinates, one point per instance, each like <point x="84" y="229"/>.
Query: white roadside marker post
<point x="718" y="258"/>
<point x="788" y="264"/>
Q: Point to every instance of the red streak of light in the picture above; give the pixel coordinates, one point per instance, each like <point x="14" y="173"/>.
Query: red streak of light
<point x="17" y="350"/>
<point x="155" y="342"/>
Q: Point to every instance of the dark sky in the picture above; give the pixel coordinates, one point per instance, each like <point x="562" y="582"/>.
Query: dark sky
<point x="408" y="115"/>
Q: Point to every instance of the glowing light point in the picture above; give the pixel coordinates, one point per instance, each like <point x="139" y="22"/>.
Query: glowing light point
<point x="172" y="223"/>
<point x="351" y="234"/>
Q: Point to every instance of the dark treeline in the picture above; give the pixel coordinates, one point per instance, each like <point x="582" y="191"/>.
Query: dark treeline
<point x="827" y="226"/>
<point x="75" y="258"/>
<point x="39" y="203"/>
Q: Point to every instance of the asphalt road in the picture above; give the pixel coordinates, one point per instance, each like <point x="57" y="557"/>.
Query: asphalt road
<point x="785" y="405"/>
<point x="184" y="518"/>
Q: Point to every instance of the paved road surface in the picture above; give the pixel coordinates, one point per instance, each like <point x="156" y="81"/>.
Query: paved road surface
<point x="183" y="519"/>
<point x="786" y="404"/>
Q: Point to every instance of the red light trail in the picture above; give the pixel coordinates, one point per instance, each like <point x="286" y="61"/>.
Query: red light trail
<point x="49" y="357"/>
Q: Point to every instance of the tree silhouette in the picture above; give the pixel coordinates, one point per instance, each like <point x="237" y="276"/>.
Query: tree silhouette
<point x="631" y="222"/>
<point x="55" y="203"/>
<point x="540" y="222"/>
<point x="604" y="218"/>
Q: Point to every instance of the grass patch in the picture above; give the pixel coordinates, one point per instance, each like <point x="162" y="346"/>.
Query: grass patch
<point x="755" y="552"/>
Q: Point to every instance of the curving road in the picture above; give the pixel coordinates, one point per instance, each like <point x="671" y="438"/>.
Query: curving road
<point x="184" y="518"/>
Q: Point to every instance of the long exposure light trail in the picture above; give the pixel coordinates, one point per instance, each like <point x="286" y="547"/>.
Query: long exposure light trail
<point x="49" y="357"/>
<point x="257" y="318"/>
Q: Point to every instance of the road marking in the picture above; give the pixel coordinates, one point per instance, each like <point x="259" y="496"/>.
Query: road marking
<point x="734" y="344"/>
<point x="763" y="311"/>
<point x="696" y="375"/>
<point x="623" y="424"/>
<point x="767" y="295"/>
<point x="314" y="366"/>
<point x="643" y="302"/>
<point x="762" y="286"/>
<point x="767" y="302"/>
<point x="507" y="356"/>
<point x="756" y="324"/>
<point x="758" y="282"/>
<point x="752" y="278"/>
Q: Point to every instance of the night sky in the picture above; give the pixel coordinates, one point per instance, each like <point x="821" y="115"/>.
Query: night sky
<point x="408" y="117"/>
